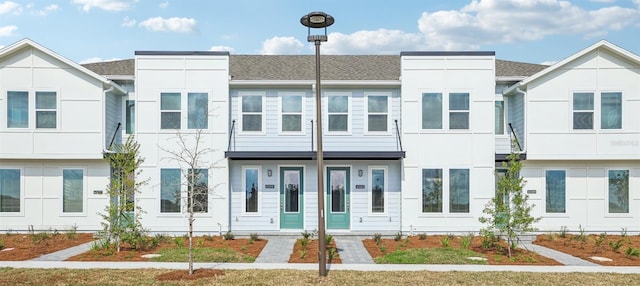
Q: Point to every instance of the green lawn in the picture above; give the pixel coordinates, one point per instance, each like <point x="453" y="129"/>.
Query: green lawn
<point x="202" y="254"/>
<point x="445" y="255"/>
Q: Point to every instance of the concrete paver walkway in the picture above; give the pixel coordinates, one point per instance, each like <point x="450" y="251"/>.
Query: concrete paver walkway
<point x="277" y="250"/>
<point x="561" y="257"/>
<point x="351" y="250"/>
<point x="65" y="253"/>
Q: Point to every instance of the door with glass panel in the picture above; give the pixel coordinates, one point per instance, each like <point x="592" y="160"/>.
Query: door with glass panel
<point x="338" y="193"/>
<point x="291" y="197"/>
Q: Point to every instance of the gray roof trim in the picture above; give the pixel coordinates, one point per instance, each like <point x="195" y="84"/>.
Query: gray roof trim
<point x="448" y="53"/>
<point x="182" y="53"/>
<point x="311" y="155"/>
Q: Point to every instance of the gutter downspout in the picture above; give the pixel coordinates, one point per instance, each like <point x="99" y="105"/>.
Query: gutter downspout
<point x="524" y="118"/>
<point x="105" y="151"/>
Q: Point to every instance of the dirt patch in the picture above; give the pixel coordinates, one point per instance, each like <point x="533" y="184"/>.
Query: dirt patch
<point x="30" y="246"/>
<point x="309" y="253"/>
<point x="241" y="245"/>
<point x="495" y="256"/>
<point x="184" y="274"/>
<point x="623" y="250"/>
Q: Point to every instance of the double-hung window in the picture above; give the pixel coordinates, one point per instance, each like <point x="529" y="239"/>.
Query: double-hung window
<point x="46" y="106"/>
<point x="251" y="185"/>
<point x="10" y="191"/>
<point x="338" y="113"/>
<point x="583" y="110"/>
<point x="611" y="110"/>
<point x="431" y="190"/>
<point x="170" y="189"/>
<point x="618" y="191"/>
<point x="378" y="177"/>
<point x="72" y="191"/>
<point x="291" y="113"/>
<point x="459" y="190"/>
<point x="170" y="110"/>
<point x="251" y="110"/>
<point x="432" y="111"/>
<point x="458" y="111"/>
<point x="17" y="109"/>
<point x="377" y="113"/>
<point x="555" y="191"/>
<point x="197" y="110"/>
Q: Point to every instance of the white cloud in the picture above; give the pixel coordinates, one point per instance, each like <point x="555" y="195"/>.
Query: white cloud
<point x="381" y="41"/>
<point x="281" y="46"/>
<point x="7" y="31"/>
<point x="549" y="63"/>
<point x="164" y="4"/>
<point x="603" y="1"/>
<point x="126" y="22"/>
<point x="485" y="22"/>
<point x="97" y="60"/>
<point x="221" y="48"/>
<point x="174" y="24"/>
<point x="107" y="5"/>
<point x="48" y="9"/>
<point x="7" y="7"/>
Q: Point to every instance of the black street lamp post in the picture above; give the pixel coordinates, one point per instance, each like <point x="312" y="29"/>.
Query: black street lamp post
<point x="318" y="20"/>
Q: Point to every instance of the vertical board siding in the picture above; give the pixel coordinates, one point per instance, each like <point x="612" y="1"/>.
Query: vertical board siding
<point x="113" y="111"/>
<point x="516" y="117"/>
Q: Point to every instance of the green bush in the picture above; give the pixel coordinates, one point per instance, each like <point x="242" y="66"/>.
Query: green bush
<point x="306" y="234"/>
<point x="253" y="237"/>
<point x="615" y="245"/>
<point x="632" y="252"/>
<point x="422" y="236"/>
<point x="397" y="236"/>
<point x="179" y="241"/>
<point x="377" y="237"/>
<point x="229" y="236"/>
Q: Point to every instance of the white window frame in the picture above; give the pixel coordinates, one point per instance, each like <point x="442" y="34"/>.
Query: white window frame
<point x="31" y="109"/>
<point x="447" y="192"/>
<point x="84" y="192"/>
<point x="22" y="193"/>
<point x="367" y="113"/>
<point x="446" y="93"/>
<point x="244" y="193"/>
<point x="263" y="128"/>
<point x="185" y="109"/>
<point x="566" y="197"/>
<point x="385" y="193"/>
<point x="505" y="109"/>
<point x="36" y="109"/>
<point x="326" y="113"/>
<point x="182" y="193"/>
<point x="599" y="95"/>
<point x="451" y="111"/>
<point x="124" y="115"/>
<point x="630" y="198"/>
<point x="302" y="131"/>
<point x="161" y="111"/>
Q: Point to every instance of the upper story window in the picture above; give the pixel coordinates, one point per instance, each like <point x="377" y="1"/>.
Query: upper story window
<point x="130" y="119"/>
<point x="377" y="113"/>
<point x="170" y="110"/>
<point x="585" y="113"/>
<point x="46" y="105"/>
<point x="197" y="110"/>
<point x="17" y="109"/>
<point x="338" y="113"/>
<point x="432" y="111"/>
<point x="252" y="116"/>
<point x="291" y="113"/>
<point x="611" y="110"/>
<point x="458" y="111"/>
<point x="583" y="110"/>
<point x="499" y="121"/>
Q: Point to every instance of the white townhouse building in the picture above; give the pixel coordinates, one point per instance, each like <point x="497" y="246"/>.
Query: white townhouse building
<point x="412" y="142"/>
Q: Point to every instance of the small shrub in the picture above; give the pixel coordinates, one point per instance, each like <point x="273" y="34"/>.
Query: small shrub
<point x="229" y="236"/>
<point x="253" y="237"/>
<point x="304" y="242"/>
<point x="307" y="235"/>
<point x="397" y="236"/>
<point x="563" y="231"/>
<point x="154" y="242"/>
<point x="445" y="241"/>
<point x="383" y="249"/>
<point x="72" y="232"/>
<point x="466" y="241"/>
<point x="582" y="237"/>
<point x="377" y="237"/>
<point x="422" y="236"/>
<point x="333" y="252"/>
<point x="550" y="236"/>
<point x="328" y="238"/>
<point x="1" y="244"/>
<point x="598" y="240"/>
<point x="635" y="252"/>
<point x="179" y="241"/>
<point x="488" y="239"/>
<point x="100" y="244"/>
<point x="615" y="246"/>
<point x="303" y="253"/>
<point x="200" y="242"/>
<point x="161" y="237"/>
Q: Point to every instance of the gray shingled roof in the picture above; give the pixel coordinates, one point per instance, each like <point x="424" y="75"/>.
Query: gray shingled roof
<point x="301" y="67"/>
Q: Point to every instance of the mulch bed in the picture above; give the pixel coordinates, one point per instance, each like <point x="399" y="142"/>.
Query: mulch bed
<point x="309" y="254"/>
<point x="587" y="246"/>
<point x="30" y="246"/>
<point x="184" y="274"/>
<point x="494" y="256"/>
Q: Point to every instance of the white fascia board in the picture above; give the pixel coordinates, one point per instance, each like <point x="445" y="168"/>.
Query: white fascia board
<point x="312" y="82"/>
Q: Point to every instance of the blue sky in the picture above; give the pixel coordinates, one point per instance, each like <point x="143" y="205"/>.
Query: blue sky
<point x="535" y="31"/>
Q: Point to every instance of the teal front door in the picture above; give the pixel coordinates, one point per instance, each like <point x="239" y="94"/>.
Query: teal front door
<point x="291" y="197"/>
<point x="338" y="181"/>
